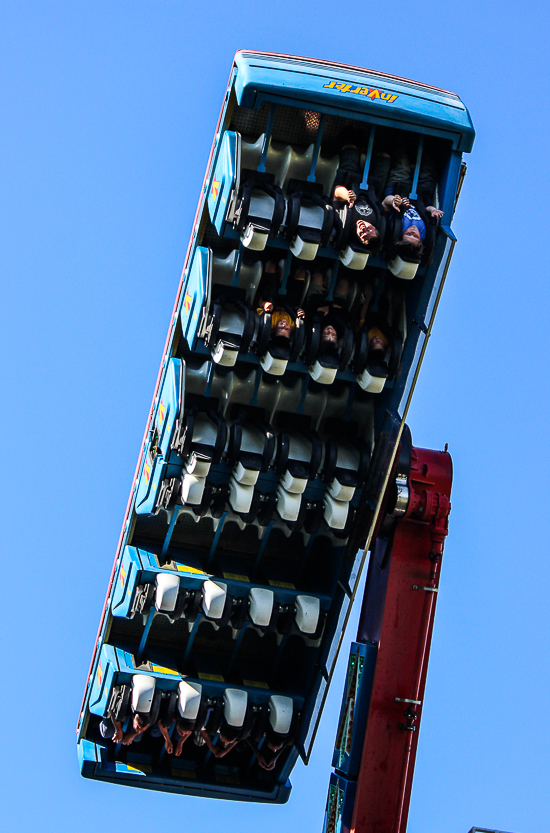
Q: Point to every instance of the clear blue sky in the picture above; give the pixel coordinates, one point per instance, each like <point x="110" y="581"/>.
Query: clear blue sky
<point x="107" y="115"/>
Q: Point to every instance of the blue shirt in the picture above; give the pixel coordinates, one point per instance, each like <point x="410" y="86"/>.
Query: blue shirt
<point x="411" y="217"/>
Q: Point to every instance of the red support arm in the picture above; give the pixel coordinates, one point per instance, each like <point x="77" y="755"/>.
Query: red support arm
<point x="387" y="763"/>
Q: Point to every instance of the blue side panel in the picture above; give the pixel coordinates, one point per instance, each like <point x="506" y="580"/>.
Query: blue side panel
<point x="174" y="778"/>
<point x="128" y="572"/>
<point x="340" y="88"/>
<point x="355" y="708"/>
<point x="340" y="801"/>
<point x="195" y="294"/>
<point x="223" y="181"/>
<point x="162" y="463"/>
<point x="105" y="672"/>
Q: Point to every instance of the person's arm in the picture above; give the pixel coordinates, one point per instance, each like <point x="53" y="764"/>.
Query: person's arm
<point x="129" y="736"/>
<point x="181" y="741"/>
<point x="395" y="202"/>
<point x="434" y="212"/>
<point x="117" y="737"/>
<point x="345" y="194"/>
<point x="167" y="739"/>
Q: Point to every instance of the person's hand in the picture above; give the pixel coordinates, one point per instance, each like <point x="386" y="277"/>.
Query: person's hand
<point x="169" y="747"/>
<point x="300" y="313"/>
<point x="437" y="213"/>
<point x="396" y="202"/>
<point x="127" y="739"/>
<point x="268" y="306"/>
<point x="352" y="197"/>
<point x="117" y="737"/>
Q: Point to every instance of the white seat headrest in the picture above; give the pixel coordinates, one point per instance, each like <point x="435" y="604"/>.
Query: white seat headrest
<point x="254" y="239"/>
<point x="280" y="713"/>
<point x="224" y="354"/>
<point x="402" y="268"/>
<point x="192" y="489"/>
<point x="288" y="505"/>
<point x="235" y="702"/>
<point x="189" y="699"/>
<point x="198" y="464"/>
<point x="166" y="594"/>
<point x="240" y="496"/>
<point x="335" y="511"/>
<point x="340" y="492"/>
<point x="303" y="250"/>
<point x="143" y="690"/>
<point x="273" y="366"/>
<point x="323" y="375"/>
<point x="294" y="485"/>
<point x="261" y="606"/>
<point x="247" y="477"/>
<point x="308" y="609"/>
<point x="213" y="598"/>
<point x="372" y="384"/>
<point x="352" y="259"/>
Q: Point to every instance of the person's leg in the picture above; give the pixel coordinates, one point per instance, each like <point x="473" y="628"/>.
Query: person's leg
<point x="402" y="170"/>
<point x="427" y="179"/>
<point x="349" y="169"/>
<point x="378" y="172"/>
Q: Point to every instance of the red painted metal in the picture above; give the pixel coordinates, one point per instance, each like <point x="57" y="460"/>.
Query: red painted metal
<point x="389" y="750"/>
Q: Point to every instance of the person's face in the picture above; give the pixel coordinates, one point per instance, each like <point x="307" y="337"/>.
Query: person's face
<point x="376" y="343"/>
<point x="329" y="335"/>
<point x="412" y="235"/>
<point x="365" y="231"/>
<point x="224" y="740"/>
<point x="282" y="328"/>
<point x="138" y="725"/>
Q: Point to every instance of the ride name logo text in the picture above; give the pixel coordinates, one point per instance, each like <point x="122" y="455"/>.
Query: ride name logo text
<point x="357" y="89"/>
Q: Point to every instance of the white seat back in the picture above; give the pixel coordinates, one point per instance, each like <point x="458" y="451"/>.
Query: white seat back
<point x="304" y="250"/>
<point x="240" y="496"/>
<point x="308" y="610"/>
<point x="235" y="702"/>
<point x="288" y="505"/>
<point x="294" y="485"/>
<point x="214" y="595"/>
<point x="280" y="713"/>
<point x="143" y="690"/>
<point x="225" y="354"/>
<point x="273" y="366"/>
<point x="189" y="699"/>
<point x="402" y="268"/>
<point x="353" y="259"/>
<point x="254" y="238"/>
<point x="321" y="374"/>
<point x="166" y="594"/>
<point x="198" y="464"/>
<point x="335" y="511"/>
<point x="372" y="384"/>
<point x="192" y="489"/>
<point x="261" y="606"/>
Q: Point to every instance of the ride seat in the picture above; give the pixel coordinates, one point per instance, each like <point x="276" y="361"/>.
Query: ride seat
<point x="335" y="511"/>
<point x="288" y="504"/>
<point x="166" y="592"/>
<point x="189" y="699"/>
<point x="260" y="209"/>
<point x="404" y="268"/>
<point x="309" y="220"/>
<point x="250" y="449"/>
<point x="214" y="599"/>
<point x="308" y="611"/>
<point x="229" y="330"/>
<point x="345" y="468"/>
<point x="261" y="606"/>
<point x="143" y="692"/>
<point x="235" y="705"/>
<point x="298" y="460"/>
<point x="281" y="710"/>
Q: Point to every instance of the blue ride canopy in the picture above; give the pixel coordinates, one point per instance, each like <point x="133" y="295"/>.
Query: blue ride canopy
<point x="271" y="437"/>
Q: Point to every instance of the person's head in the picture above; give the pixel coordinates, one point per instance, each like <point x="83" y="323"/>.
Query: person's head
<point x="367" y="233"/>
<point x="282" y="328"/>
<point x="329" y="336"/>
<point x="412" y="235"/>
<point x="140" y="723"/>
<point x="184" y="727"/>
<point x="409" y="250"/>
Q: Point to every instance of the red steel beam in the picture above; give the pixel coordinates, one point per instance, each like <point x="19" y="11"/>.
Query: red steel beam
<point x="389" y="750"/>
